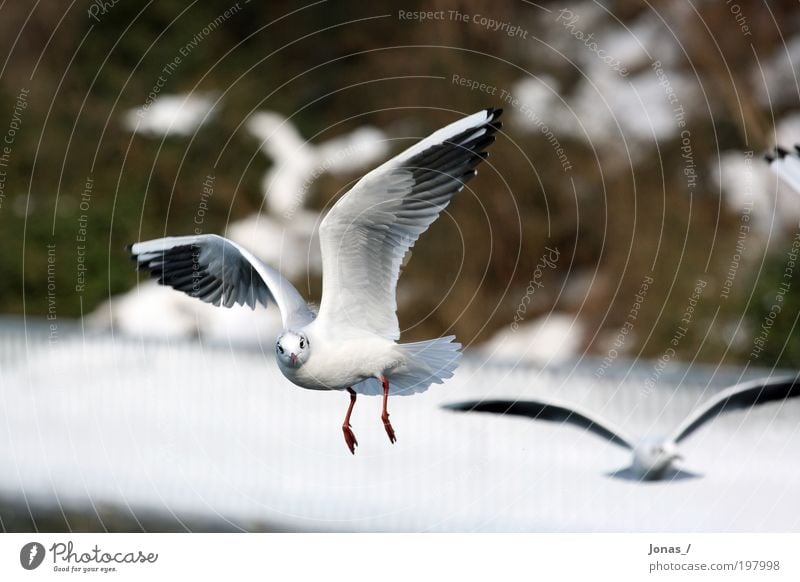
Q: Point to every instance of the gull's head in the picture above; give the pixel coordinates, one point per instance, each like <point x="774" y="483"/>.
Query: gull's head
<point x="292" y="349"/>
<point x="651" y="459"/>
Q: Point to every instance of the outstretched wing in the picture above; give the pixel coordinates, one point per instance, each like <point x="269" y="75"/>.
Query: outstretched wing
<point x="545" y="411"/>
<point x="738" y="397"/>
<point x="369" y="230"/>
<point x="218" y="271"/>
<point x="786" y="164"/>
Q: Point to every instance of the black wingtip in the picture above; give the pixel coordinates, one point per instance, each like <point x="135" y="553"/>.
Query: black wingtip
<point x="781" y="151"/>
<point x="493" y="113"/>
<point x="770" y="157"/>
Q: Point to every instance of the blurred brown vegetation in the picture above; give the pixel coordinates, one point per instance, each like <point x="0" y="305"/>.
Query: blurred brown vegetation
<point x="350" y="61"/>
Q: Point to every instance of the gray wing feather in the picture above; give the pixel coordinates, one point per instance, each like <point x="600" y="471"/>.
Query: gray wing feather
<point x="220" y="272"/>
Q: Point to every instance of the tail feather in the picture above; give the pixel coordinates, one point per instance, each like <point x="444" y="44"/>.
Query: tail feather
<point x="429" y="362"/>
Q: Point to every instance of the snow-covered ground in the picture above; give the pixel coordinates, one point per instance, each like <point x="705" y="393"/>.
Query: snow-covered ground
<point x="183" y="428"/>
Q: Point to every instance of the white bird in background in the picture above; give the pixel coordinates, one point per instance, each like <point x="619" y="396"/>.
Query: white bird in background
<point x="786" y="165"/>
<point x="351" y="344"/>
<point x="171" y="115"/>
<point x="298" y="163"/>
<point x="653" y="459"/>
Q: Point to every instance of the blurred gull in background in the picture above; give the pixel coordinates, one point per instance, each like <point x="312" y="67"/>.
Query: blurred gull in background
<point x="550" y="339"/>
<point x="298" y="163"/>
<point x="179" y="115"/>
<point x="653" y="458"/>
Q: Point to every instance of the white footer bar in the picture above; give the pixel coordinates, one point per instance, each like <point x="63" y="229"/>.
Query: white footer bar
<point x="406" y="557"/>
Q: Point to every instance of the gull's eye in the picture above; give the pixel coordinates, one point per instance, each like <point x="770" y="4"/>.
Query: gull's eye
<point x="302" y="343"/>
<point x="280" y="348"/>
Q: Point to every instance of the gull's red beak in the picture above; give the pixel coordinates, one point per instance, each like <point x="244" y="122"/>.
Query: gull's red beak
<point x="293" y="358"/>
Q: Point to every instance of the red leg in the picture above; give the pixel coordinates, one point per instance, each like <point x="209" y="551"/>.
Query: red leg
<point x="385" y="416"/>
<point x="349" y="437"/>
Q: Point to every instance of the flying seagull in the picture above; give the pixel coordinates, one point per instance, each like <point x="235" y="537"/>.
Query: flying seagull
<point x="786" y="165"/>
<point x="652" y="458"/>
<point x="297" y="163"/>
<point x="352" y="343"/>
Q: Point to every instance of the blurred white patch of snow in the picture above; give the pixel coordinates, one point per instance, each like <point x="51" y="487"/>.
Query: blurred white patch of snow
<point x="550" y="339"/>
<point x="788" y="130"/>
<point x="180" y="115"/>
<point x="607" y="106"/>
<point x="151" y="311"/>
<point x="776" y="81"/>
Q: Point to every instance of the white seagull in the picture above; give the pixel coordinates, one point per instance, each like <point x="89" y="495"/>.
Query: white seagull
<point x="786" y="165"/>
<point x="652" y="458"/>
<point x="351" y="344"/>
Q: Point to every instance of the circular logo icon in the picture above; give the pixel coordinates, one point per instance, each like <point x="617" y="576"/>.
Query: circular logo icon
<point x="31" y="555"/>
